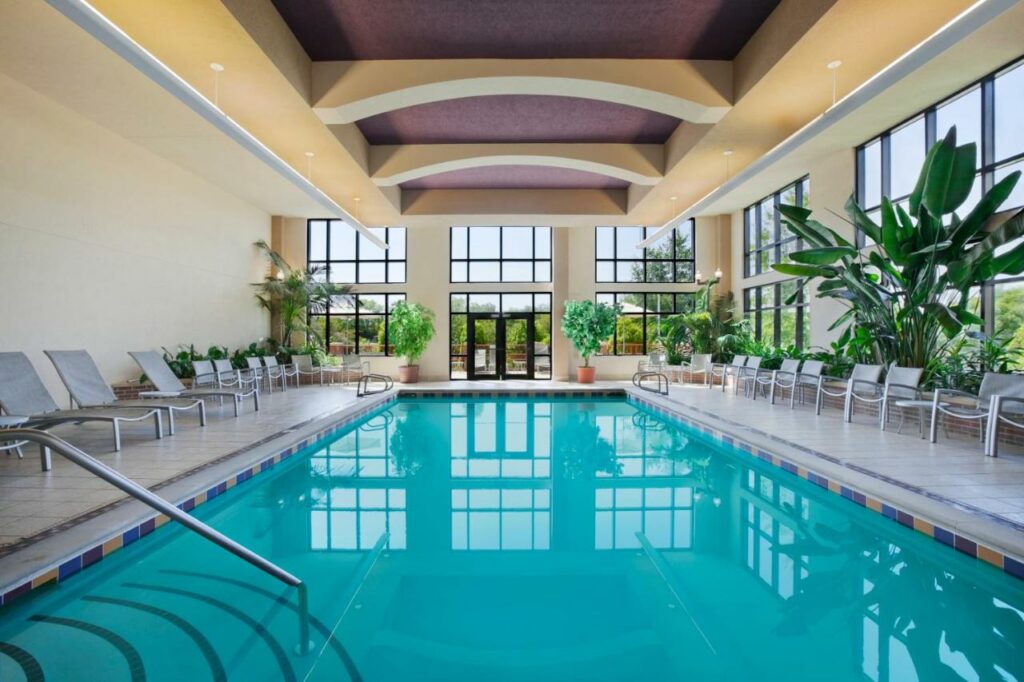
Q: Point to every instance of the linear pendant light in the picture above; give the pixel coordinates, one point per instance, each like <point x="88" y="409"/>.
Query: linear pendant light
<point x="961" y="26"/>
<point x="93" y="22"/>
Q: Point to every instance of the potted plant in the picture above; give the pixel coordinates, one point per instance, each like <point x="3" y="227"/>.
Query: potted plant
<point x="586" y="324"/>
<point x="411" y="328"/>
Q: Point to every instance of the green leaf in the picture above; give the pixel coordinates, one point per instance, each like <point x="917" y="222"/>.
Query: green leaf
<point x="823" y="256"/>
<point x="862" y="221"/>
<point x="892" y="236"/>
<point x="941" y="246"/>
<point x="949" y="177"/>
<point x="922" y="178"/>
<point x="944" y="316"/>
<point x="986" y="207"/>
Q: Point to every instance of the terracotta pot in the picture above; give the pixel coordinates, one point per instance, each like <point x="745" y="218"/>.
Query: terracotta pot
<point x="408" y="374"/>
<point x="586" y="375"/>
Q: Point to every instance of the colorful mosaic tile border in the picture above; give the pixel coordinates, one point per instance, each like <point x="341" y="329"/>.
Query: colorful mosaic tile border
<point x="74" y="564"/>
<point x="1003" y="562"/>
<point x="524" y="393"/>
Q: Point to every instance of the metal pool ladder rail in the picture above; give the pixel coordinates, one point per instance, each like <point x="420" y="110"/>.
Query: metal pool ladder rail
<point x="118" y="480"/>
<point x="663" y="382"/>
<point x="364" y="384"/>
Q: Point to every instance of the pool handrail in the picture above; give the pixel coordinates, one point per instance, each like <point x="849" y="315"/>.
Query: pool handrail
<point x="363" y="389"/>
<point x="48" y="442"/>
<point x="663" y="381"/>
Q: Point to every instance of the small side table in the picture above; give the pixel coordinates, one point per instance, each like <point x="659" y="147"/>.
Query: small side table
<point x="12" y="423"/>
<point x="922" y="406"/>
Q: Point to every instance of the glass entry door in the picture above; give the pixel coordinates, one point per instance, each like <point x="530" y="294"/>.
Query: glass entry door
<point x="500" y="346"/>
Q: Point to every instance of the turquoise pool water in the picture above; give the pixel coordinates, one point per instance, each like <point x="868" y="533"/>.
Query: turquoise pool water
<point x="528" y="539"/>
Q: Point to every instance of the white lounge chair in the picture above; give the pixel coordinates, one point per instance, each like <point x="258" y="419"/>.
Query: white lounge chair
<point x="169" y="386"/>
<point x="23" y="394"/>
<point x="811" y="375"/>
<point x="227" y="376"/>
<point x="725" y="370"/>
<point x="861" y="377"/>
<point x="784" y="377"/>
<point x="999" y="394"/>
<point x="748" y="374"/>
<point x="89" y="389"/>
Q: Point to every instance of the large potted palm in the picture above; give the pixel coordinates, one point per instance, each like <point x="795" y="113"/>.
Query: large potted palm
<point x="411" y="327"/>
<point x="292" y="294"/>
<point x="908" y="295"/>
<point x="586" y="324"/>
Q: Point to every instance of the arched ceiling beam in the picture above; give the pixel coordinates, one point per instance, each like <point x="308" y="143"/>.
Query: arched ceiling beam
<point x="638" y="164"/>
<point x="691" y="90"/>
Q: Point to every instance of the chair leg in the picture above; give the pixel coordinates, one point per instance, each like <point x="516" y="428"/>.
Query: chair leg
<point x="202" y="413"/>
<point x="45" y="458"/>
<point x="933" y="428"/>
<point x="170" y="422"/>
<point x="256" y="400"/>
<point x="237" y="400"/>
<point x="817" y="403"/>
<point x="117" y="435"/>
<point x="159" y="421"/>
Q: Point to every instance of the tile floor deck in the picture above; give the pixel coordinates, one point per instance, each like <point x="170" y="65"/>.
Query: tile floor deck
<point x="32" y="501"/>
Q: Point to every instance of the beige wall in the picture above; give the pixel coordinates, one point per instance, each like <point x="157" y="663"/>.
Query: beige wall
<point x="573" y="278"/>
<point x="107" y="247"/>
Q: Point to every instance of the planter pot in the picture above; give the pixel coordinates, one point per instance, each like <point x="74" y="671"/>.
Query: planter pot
<point x="408" y="374"/>
<point x="586" y="375"/>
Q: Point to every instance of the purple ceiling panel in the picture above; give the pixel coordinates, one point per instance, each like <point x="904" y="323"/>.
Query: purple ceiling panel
<point x="518" y="118"/>
<point x="523" y="29"/>
<point x="516" y="177"/>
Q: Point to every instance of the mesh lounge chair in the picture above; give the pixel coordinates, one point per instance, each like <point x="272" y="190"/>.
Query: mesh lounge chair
<point x="809" y="376"/>
<point x="698" y="364"/>
<point x="354" y="365"/>
<point x="784" y="376"/>
<point x="901" y="383"/>
<point x="226" y="376"/>
<point x="999" y="393"/>
<point x="863" y="375"/>
<point x="725" y="370"/>
<point x="654" y="362"/>
<point x="279" y="372"/>
<point x="169" y="386"/>
<point x="748" y="374"/>
<point x="88" y="389"/>
<point x="258" y="372"/>
<point x="304" y="368"/>
<point x="22" y="394"/>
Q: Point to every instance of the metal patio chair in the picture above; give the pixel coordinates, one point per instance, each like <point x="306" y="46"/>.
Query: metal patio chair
<point x="901" y="384"/>
<point x="784" y="376"/>
<point x="862" y="375"/>
<point x="725" y="370"/>
<point x="999" y="394"/>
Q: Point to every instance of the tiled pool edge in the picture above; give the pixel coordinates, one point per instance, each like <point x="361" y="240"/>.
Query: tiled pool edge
<point x="1009" y="565"/>
<point x="69" y="566"/>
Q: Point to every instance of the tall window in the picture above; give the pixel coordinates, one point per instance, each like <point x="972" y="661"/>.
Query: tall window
<point x="357" y="324"/>
<point x="464" y="303"/>
<point x="350" y="258"/>
<point x="766" y="239"/>
<point x="501" y="254"/>
<point x="773" y="320"/>
<point x="619" y="258"/>
<point x="986" y="113"/>
<point x="643" y="322"/>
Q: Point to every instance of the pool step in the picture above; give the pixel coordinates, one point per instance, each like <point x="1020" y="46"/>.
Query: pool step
<point x="173" y="625"/>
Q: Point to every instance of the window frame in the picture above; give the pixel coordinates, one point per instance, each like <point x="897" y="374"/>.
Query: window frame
<point x="645" y="346"/>
<point x="989" y="165"/>
<point x="501" y="260"/>
<point x="328" y="263"/>
<point x="674" y="262"/>
<point x="756" y="312"/>
<point x="355" y="315"/>
<point x="752" y="213"/>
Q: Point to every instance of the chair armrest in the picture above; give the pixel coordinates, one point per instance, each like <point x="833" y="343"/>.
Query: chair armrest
<point x="877" y="385"/>
<point x="159" y="394"/>
<point x="954" y="393"/>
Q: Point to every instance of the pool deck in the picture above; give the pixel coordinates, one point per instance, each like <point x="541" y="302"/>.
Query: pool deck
<point x="46" y="516"/>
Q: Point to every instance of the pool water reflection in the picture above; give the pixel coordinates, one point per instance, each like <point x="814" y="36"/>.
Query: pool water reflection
<point x="516" y="531"/>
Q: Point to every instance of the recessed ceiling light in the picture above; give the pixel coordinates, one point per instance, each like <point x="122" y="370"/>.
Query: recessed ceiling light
<point x="672" y="198"/>
<point x="833" y="65"/>
<point x="310" y="155"/>
<point x="727" y="152"/>
<point x="216" y="67"/>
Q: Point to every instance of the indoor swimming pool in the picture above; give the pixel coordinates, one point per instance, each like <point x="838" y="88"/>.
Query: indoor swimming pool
<point x="451" y="539"/>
